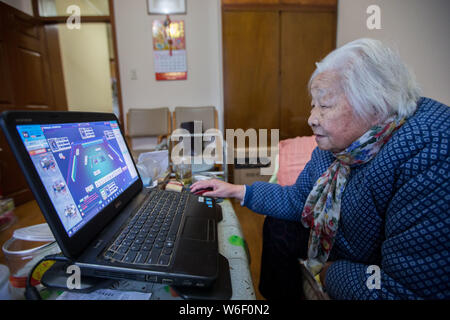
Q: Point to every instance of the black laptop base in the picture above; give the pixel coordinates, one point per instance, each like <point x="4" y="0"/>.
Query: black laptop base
<point x="56" y="278"/>
<point x="221" y="289"/>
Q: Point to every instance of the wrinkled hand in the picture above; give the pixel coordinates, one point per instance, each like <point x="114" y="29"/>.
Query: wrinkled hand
<point x="220" y="189"/>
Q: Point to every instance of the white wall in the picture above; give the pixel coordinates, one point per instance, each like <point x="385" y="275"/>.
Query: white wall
<point x="203" y="34"/>
<point x="85" y="60"/>
<point x="418" y="29"/>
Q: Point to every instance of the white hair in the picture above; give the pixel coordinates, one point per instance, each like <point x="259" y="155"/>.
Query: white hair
<point x="373" y="78"/>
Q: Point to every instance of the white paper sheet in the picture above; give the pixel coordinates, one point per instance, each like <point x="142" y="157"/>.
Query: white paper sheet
<point x="105" y="294"/>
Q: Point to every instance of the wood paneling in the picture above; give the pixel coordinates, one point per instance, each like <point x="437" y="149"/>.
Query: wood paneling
<point x="5" y="85"/>
<point x="33" y="91"/>
<point x="30" y="64"/>
<point x="6" y="93"/>
<point x="306" y="39"/>
<point x="251" y="69"/>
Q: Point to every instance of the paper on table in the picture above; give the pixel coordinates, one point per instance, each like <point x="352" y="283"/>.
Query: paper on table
<point x="105" y="294"/>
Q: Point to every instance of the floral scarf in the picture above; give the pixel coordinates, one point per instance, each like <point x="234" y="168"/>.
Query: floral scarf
<point x="322" y="207"/>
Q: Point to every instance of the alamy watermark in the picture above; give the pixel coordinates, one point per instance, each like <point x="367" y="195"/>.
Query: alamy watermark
<point x="74" y="20"/>
<point x="374" y="280"/>
<point x="74" y="280"/>
<point x="373" y="21"/>
<point x="211" y="147"/>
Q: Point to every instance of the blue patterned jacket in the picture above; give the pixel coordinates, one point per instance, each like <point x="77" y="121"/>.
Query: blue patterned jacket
<point x="394" y="213"/>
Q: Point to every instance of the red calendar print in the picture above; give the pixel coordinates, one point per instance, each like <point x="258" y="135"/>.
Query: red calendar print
<point x="169" y="50"/>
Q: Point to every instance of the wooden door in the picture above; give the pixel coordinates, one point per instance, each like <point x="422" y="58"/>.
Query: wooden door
<point x="306" y="38"/>
<point x="269" y="55"/>
<point x="251" y="69"/>
<point x="12" y="181"/>
<point x="30" y="64"/>
<point x="26" y="83"/>
<point x="6" y="93"/>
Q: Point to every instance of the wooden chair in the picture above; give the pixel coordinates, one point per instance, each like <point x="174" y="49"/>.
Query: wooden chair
<point x="207" y="115"/>
<point x="146" y="128"/>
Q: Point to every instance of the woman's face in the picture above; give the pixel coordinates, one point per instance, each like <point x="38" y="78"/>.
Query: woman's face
<point x="332" y="118"/>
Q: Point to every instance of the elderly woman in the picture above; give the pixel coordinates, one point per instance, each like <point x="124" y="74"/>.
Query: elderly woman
<point x="375" y="192"/>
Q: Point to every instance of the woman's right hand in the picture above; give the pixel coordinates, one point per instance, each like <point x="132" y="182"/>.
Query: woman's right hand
<point x="220" y="189"/>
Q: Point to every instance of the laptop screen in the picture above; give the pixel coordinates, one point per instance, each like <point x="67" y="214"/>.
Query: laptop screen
<point x="83" y="166"/>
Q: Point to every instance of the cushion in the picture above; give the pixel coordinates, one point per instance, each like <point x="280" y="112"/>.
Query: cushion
<point x="293" y="155"/>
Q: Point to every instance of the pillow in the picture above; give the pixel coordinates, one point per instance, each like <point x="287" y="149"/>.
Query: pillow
<point x="293" y="155"/>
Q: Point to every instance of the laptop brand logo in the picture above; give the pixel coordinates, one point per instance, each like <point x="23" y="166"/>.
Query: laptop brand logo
<point x="24" y="120"/>
<point x="117" y="204"/>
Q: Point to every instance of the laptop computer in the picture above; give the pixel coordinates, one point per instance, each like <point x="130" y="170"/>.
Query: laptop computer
<point x="86" y="184"/>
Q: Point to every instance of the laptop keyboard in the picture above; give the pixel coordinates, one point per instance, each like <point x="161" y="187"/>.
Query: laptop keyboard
<point x="150" y="235"/>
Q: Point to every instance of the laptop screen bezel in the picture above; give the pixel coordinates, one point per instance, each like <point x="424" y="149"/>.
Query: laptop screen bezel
<point x="70" y="246"/>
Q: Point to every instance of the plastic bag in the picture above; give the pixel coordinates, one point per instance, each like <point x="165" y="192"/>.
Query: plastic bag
<point x="153" y="165"/>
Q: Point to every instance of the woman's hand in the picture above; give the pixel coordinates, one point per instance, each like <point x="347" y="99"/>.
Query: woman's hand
<point x="220" y="189"/>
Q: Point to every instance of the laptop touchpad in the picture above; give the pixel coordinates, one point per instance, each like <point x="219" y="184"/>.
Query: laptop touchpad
<point x="199" y="229"/>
